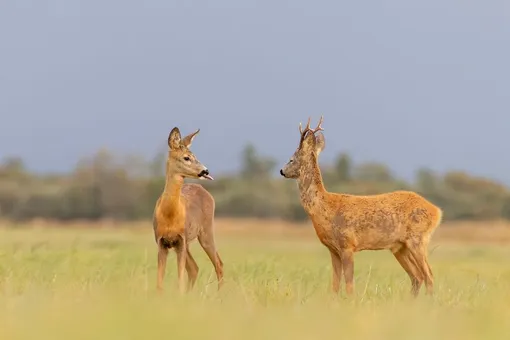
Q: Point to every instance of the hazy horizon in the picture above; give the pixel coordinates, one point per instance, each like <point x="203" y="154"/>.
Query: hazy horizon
<point x="407" y="84"/>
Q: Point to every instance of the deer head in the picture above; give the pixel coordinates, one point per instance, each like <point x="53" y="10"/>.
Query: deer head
<point x="181" y="161"/>
<point x="310" y="146"/>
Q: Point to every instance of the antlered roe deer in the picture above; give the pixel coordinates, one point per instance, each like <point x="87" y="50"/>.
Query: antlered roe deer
<point x="184" y="212"/>
<point x="401" y="221"/>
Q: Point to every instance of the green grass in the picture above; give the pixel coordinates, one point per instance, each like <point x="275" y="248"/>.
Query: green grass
<point x="100" y="284"/>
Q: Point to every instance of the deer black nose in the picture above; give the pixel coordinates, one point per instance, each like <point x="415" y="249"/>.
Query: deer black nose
<point x="281" y="173"/>
<point x="203" y="173"/>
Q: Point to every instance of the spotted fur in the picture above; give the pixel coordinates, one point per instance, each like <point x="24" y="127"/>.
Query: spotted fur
<point x="400" y="221"/>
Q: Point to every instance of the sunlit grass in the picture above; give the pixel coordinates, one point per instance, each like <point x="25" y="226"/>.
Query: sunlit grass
<point x="100" y="284"/>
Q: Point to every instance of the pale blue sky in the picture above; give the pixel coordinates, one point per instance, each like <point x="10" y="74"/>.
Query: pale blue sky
<point x="403" y="82"/>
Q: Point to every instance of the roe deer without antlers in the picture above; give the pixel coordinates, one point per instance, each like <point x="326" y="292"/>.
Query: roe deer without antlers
<point x="401" y="221"/>
<point x="184" y="212"/>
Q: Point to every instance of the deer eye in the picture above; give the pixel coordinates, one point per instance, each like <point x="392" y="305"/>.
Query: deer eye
<point x="186" y="158"/>
<point x="290" y="161"/>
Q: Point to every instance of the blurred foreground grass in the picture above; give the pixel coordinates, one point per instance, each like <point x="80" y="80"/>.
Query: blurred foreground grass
<point x="99" y="284"/>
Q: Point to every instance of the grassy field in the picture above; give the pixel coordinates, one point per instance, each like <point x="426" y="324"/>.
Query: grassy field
<point x="98" y="282"/>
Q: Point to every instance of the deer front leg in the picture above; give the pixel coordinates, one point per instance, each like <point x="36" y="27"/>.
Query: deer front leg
<point x="348" y="268"/>
<point x="162" y="257"/>
<point x="336" y="263"/>
<point x="180" y="250"/>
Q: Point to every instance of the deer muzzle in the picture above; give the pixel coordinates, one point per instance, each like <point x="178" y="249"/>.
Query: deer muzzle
<point x="204" y="174"/>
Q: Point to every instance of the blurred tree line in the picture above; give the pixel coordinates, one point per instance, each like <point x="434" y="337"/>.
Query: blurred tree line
<point x="106" y="186"/>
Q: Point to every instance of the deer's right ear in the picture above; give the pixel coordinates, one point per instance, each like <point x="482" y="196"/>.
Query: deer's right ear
<point x="174" y="138"/>
<point x="320" y="143"/>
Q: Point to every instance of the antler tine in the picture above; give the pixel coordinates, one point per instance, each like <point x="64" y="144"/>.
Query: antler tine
<point x="319" y="127"/>
<point x="301" y="131"/>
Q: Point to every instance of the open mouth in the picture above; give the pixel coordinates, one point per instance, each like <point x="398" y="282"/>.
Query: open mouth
<point x="205" y="175"/>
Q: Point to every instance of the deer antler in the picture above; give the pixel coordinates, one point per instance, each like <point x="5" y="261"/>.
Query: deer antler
<point x="319" y="127"/>
<point x="307" y="129"/>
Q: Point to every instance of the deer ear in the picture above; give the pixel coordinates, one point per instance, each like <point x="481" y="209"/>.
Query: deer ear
<point x="309" y="141"/>
<point x="188" y="140"/>
<point x="320" y="143"/>
<point x="174" y="138"/>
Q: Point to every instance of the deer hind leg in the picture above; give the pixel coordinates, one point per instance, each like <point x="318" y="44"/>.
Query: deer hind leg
<point x="191" y="269"/>
<point x="419" y="253"/>
<point x="206" y="240"/>
<point x="219" y="261"/>
<point x="405" y="259"/>
<point x="428" y="266"/>
<point x="336" y="263"/>
<point x="429" y="270"/>
<point x="347" y="257"/>
<point x="425" y="245"/>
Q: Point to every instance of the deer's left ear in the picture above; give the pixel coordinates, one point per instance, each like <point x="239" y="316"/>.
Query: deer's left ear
<point x="188" y="140"/>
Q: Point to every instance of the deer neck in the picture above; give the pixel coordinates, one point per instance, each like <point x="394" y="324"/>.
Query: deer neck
<point x="171" y="197"/>
<point x="311" y="187"/>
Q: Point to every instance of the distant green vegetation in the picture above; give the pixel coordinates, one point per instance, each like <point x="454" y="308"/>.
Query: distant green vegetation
<point x="105" y="186"/>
